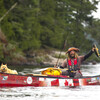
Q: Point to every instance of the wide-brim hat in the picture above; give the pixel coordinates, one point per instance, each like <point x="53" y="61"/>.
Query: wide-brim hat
<point x="72" y="49"/>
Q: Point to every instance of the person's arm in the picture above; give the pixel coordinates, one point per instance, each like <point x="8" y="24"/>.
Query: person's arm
<point x="89" y="54"/>
<point x="64" y="64"/>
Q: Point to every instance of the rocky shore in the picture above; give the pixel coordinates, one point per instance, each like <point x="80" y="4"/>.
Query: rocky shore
<point x="48" y="59"/>
<point x="43" y="59"/>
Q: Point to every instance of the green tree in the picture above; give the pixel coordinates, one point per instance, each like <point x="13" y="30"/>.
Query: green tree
<point x="35" y="24"/>
<point x="78" y="14"/>
<point x="94" y="31"/>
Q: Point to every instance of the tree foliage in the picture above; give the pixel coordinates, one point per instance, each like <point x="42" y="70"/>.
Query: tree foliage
<point x="93" y="31"/>
<point x="33" y="24"/>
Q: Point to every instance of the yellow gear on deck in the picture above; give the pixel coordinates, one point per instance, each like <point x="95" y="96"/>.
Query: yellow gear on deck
<point x="52" y="71"/>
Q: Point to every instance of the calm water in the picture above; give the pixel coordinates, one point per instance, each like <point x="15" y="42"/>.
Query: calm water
<point x="53" y="93"/>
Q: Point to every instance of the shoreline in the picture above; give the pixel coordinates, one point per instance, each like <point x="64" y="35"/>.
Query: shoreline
<point x="50" y="60"/>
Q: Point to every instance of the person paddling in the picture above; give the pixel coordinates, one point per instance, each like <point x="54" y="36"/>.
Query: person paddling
<point x="73" y="62"/>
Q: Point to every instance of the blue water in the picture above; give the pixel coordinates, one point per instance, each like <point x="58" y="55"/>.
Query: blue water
<point x="54" y="93"/>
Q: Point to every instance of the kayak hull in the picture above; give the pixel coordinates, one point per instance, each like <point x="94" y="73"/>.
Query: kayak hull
<point x="12" y="80"/>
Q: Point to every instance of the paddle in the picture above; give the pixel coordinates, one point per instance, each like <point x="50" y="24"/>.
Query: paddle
<point x="46" y="69"/>
<point x="60" y="54"/>
<point x="35" y="75"/>
<point x="96" y="50"/>
<point x="42" y="69"/>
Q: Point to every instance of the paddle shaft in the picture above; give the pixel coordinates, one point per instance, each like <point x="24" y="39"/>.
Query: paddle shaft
<point x="60" y="54"/>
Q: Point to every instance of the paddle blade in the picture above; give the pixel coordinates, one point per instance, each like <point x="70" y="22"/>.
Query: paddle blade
<point x="96" y="50"/>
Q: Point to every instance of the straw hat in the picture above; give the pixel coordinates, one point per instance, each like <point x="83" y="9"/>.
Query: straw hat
<point x="72" y="49"/>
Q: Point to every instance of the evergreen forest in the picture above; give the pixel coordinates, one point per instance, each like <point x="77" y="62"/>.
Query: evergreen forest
<point x="31" y="26"/>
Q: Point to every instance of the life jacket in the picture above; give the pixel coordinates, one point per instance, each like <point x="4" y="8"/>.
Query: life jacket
<point x="73" y="66"/>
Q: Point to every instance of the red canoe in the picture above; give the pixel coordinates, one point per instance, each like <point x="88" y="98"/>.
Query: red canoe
<point x="11" y="80"/>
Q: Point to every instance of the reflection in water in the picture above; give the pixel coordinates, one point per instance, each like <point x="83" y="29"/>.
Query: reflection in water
<point x="54" y="93"/>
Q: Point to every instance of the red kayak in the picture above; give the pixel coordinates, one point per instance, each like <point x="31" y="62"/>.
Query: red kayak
<point x="38" y="80"/>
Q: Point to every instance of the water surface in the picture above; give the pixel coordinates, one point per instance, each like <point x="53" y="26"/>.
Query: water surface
<point x="53" y="93"/>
